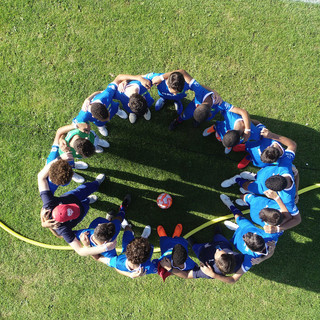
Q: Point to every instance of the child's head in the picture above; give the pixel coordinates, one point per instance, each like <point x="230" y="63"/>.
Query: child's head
<point x="270" y="155"/>
<point x="104" y="232"/>
<point x="254" y="242"/>
<point x="224" y="261"/>
<point x="202" y="113"/>
<point x="231" y="138"/>
<point x="138" y="250"/>
<point x="100" y="112"/>
<point x="271" y="216"/>
<point x="60" y="172"/>
<point x="84" y="147"/>
<point x="138" y="104"/>
<point x="179" y="255"/>
<point x="276" y="183"/>
<point x="176" y="82"/>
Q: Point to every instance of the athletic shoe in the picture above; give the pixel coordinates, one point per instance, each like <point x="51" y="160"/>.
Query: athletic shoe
<point x="103" y="143"/>
<point x="229" y="182"/>
<point x="99" y="149"/>
<point x="125" y="223"/>
<point x="239" y="148"/>
<point x="146" y="232"/>
<point x="100" y="177"/>
<point x="208" y="131"/>
<point x="248" y="175"/>
<point x="111" y="215"/>
<point x="174" y="124"/>
<point x="92" y="198"/>
<point x="132" y="117"/>
<point x="226" y="200"/>
<point x="244" y="162"/>
<point x="178" y="106"/>
<point x="159" y="104"/>
<point x="126" y="201"/>
<point x="103" y="130"/>
<point x="177" y="230"/>
<point x="77" y="178"/>
<point x="241" y="203"/>
<point x="243" y="191"/>
<point x="227" y="150"/>
<point x="161" y="232"/>
<point x="80" y="165"/>
<point x="147" y="115"/>
<point x="231" y="225"/>
<point x="122" y="114"/>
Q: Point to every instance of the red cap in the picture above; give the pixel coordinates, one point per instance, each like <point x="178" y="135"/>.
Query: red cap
<point x="66" y="212"/>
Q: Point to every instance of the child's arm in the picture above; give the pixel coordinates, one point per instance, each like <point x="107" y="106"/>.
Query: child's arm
<point x="290" y="144"/>
<point x="140" y="273"/>
<point x="166" y="264"/>
<point x="123" y="77"/>
<point x="87" y="101"/>
<point x="158" y="79"/>
<point x="246" y="120"/>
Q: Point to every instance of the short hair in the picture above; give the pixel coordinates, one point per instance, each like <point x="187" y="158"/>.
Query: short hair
<point x="276" y="183"/>
<point x="226" y="263"/>
<point x="176" y="81"/>
<point x="271" y="216"/>
<point x="84" y="147"/>
<point x="179" y="254"/>
<point x="270" y="155"/>
<point x="60" y="172"/>
<point x="104" y="231"/>
<point x="138" y="104"/>
<point x="231" y="138"/>
<point x="202" y="113"/>
<point x="138" y="250"/>
<point x="254" y="242"/>
<point x="99" y="111"/>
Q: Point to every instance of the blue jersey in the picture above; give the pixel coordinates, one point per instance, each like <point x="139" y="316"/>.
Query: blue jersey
<point x="163" y="89"/>
<point x="246" y="226"/>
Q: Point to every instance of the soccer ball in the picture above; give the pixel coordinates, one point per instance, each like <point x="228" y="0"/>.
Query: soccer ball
<point x="164" y="201"/>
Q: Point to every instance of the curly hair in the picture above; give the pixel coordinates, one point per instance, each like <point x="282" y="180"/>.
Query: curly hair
<point x="84" y="147"/>
<point x="138" y="250"/>
<point x="60" y="172"/>
<point x="231" y="138"/>
<point x="202" y="113"/>
<point x="179" y="254"/>
<point x="176" y="81"/>
<point x="271" y="216"/>
<point x="99" y="111"/>
<point x="226" y="263"/>
<point x="270" y="155"/>
<point x="104" y="231"/>
<point x="138" y="104"/>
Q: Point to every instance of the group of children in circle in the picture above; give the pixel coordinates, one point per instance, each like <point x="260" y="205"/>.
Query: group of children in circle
<point x="271" y="194"/>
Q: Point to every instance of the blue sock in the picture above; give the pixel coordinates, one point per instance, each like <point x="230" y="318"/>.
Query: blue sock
<point x="235" y="210"/>
<point x="240" y="181"/>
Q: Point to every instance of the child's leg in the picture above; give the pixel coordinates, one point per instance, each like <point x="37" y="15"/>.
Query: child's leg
<point x="84" y="190"/>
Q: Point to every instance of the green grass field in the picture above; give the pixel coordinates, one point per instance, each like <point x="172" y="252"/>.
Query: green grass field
<point x="259" y="55"/>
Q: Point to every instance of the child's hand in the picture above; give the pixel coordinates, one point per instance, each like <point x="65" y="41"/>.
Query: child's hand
<point x="140" y="273"/>
<point x="165" y="263"/>
<point x="271" y="194"/>
<point x="85" y="105"/>
<point x="265" y="132"/>
<point x="111" y="245"/>
<point x="156" y="80"/>
<point x="207" y="269"/>
<point x="47" y="222"/>
<point x="85" y="239"/>
<point x="122" y="86"/>
<point x="146" y="83"/>
<point x="217" y="98"/>
<point x="63" y="145"/>
<point x="84" y="127"/>
<point x="246" y="135"/>
<point x="67" y="156"/>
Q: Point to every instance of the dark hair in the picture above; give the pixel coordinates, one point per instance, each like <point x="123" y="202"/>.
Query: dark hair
<point x="99" y="111"/>
<point x="138" y="250"/>
<point x="270" y="155"/>
<point x="202" y="113"/>
<point x="179" y="254"/>
<point x="176" y="81"/>
<point x="138" y="104"/>
<point x="84" y="147"/>
<point x="276" y="183"/>
<point x="231" y="138"/>
<point x="226" y="263"/>
<point x="254" y="242"/>
<point x="60" y="172"/>
<point x="271" y="216"/>
<point x="104" y="231"/>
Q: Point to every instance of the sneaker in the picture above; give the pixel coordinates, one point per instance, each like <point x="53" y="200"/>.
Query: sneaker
<point x="122" y="114"/>
<point x="244" y="162"/>
<point x="132" y="117"/>
<point x="231" y="225"/>
<point x="125" y="223"/>
<point x="229" y="182"/>
<point x="161" y="232"/>
<point x="103" y="130"/>
<point x="111" y="215"/>
<point x="100" y="178"/>
<point x="147" y="115"/>
<point x="99" y="149"/>
<point x="126" y="201"/>
<point x="226" y="200"/>
<point x="77" y="178"/>
<point x="241" y="203"/>
<point x="80" y="165"/>
<point x="103" y="143"/>
<point x="178" y="106"/>
<point x="92" y="198"/>
<point x="174" y="124"/>
<point x="146" y="232"/>
<point x="243" y="191"/>
<point x="208" y="131"/>
<point x="177" y="230"/>
<point x="227" y="150"/>
<point x="159" y="104"/>
<point x="248" y="175"/>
